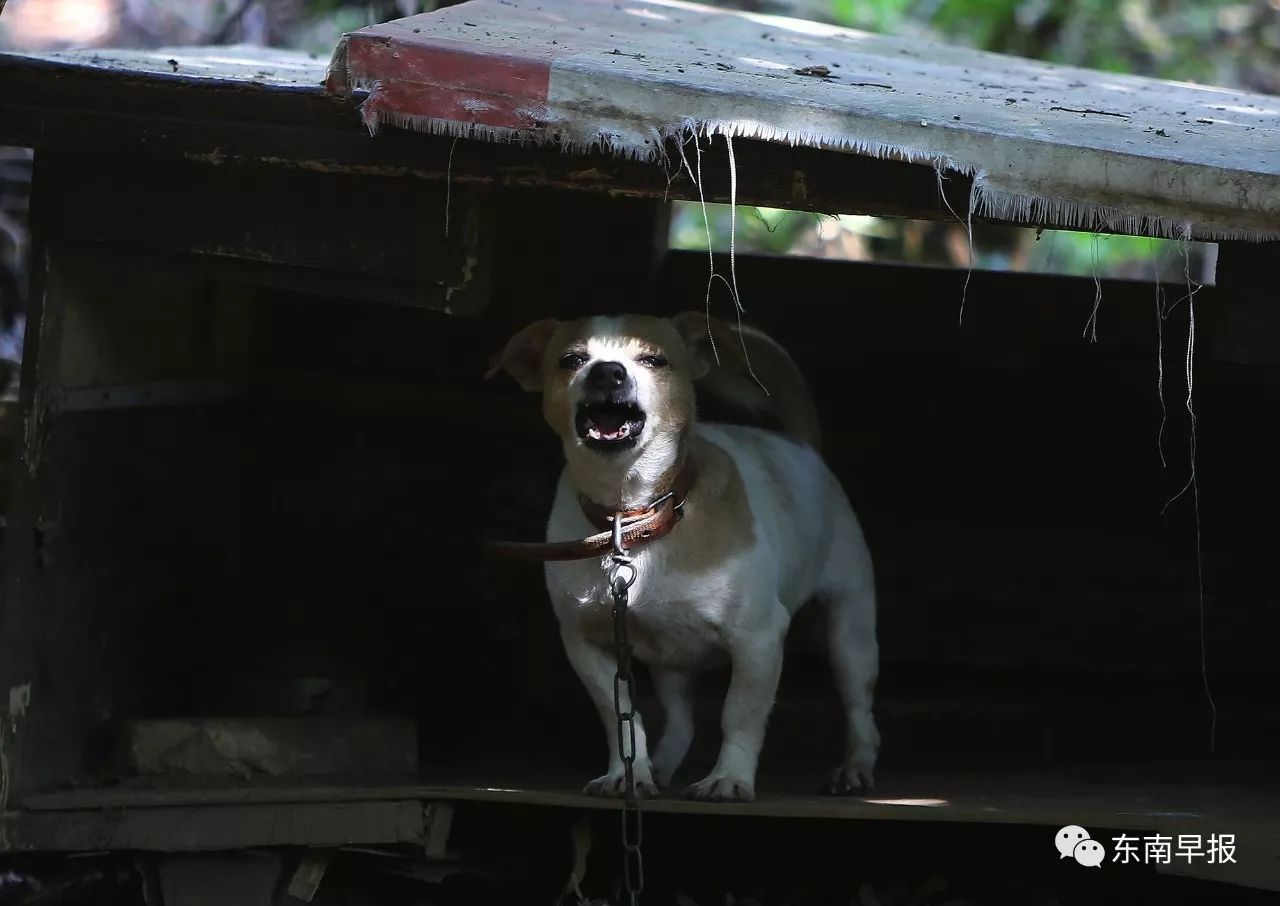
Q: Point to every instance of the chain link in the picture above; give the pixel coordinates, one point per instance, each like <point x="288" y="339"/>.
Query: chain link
<point x="620" y="590"/>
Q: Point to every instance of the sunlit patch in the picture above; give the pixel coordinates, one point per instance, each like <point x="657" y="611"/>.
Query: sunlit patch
<point x="802" y="26"/>
<point x="764" y="64"/>
<point x="687" y="7"/>
<point x="920" y="803"/>
<point x="1195" y="86"/>
<point x="645" y="14"/>
<point x="1257" y="111"/>
<point x="248" y="59"/>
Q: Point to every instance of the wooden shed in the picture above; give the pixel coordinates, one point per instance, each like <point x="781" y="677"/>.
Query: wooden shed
<point x="244" y="601"/>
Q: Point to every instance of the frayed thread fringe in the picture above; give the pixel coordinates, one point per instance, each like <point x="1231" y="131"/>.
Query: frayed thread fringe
<point x="997" y="204"/>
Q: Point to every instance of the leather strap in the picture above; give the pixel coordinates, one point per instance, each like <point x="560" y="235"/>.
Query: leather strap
<point x="639" y="526"/>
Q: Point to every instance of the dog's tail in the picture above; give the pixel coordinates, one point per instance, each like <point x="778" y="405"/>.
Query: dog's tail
<point x="755" y="382"/>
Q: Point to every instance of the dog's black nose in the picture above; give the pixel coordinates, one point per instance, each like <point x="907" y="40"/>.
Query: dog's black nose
<point x="605" y="377"/>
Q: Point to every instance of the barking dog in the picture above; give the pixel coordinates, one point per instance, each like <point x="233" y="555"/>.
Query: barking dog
<point x="766" y="527"/>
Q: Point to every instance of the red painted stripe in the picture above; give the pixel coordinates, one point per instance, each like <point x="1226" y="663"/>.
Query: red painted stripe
<point x="453" y="104"/>
<point x="433" y="77"/>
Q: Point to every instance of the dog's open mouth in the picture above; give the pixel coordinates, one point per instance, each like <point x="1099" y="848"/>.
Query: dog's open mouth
<point x="610" y="426"/>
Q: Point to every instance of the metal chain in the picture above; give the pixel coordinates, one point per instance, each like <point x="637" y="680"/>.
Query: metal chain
<point x="620" y="589"/>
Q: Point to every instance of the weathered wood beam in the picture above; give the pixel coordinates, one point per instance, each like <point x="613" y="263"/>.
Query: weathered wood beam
<point x="53" y="109"/>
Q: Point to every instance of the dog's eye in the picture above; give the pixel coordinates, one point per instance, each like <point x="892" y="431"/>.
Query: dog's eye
<point x="572" y="361"/>
<point x="653" y="361"/>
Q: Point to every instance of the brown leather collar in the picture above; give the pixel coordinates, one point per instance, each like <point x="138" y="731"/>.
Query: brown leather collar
<point x="639" y="526"/>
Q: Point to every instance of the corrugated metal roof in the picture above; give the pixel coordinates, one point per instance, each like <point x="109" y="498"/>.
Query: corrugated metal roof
<point x="1045" y="144"/>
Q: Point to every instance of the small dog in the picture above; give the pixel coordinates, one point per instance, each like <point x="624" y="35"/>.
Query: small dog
<point x="765" y="528"/>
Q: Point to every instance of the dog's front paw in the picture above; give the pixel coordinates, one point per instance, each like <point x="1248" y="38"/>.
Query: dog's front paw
<point x="723" y="788"/>
<point x="614" y="785"/>
<point x="849" y="779"/>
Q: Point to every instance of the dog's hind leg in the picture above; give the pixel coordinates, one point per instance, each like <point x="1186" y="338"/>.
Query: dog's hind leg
<point x="673" y="689"/>
<point x="855" y="660"/>
<point x="596" y="668"/>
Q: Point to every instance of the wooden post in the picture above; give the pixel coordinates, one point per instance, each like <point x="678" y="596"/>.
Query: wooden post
<point x="29" y="525"/>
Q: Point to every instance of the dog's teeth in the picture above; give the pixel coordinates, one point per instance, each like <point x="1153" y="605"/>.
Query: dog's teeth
<point x="595" y="432"/>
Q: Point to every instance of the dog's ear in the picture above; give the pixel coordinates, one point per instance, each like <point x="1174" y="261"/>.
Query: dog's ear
<point x="698" y="332"/>
<point x="522" y="356"/>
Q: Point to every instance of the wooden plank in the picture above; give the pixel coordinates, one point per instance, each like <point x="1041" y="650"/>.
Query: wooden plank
<point x="1137" y="807"/>
<point x="352" y="226"/>
<point x="515" y="72"/>
<point x="309" y="874"/>
<point x="245" y="66"/>
<point x="1256" y="865"/>
<point x="28" y="522"/>
<point x="53" y="109"/>
<point x="1007" y="797"/>
<point x="150" y="394"/>
<point x="278" y="746"/>
<point x="217" y="827"/>
<point x="251" y="280"/>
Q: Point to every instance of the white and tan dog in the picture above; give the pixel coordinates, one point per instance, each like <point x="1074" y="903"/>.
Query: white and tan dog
<point x="766" y="527"/>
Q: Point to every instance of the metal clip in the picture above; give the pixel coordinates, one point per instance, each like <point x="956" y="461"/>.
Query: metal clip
<point x="621" y="559"/>
<point x="618" y="549"/>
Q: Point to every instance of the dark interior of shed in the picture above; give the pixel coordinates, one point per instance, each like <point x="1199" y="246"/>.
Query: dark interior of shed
<point x="268" y="474"/>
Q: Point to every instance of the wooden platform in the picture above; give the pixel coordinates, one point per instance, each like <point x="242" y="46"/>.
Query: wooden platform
<point x="961" y="797"/>
<point x="1205" y="799"/>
